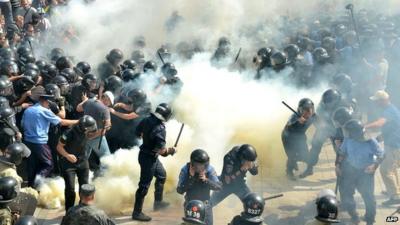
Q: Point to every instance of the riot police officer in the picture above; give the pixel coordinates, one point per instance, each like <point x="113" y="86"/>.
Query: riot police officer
<point x="237" y="162"/>
<point x="253" y="207"/>
<point x="195" y="213"/>
<point x="152" y="130"/>
<point x="197" y="179"/>
<point x="9" y="132"/>
<point x="74" y="158"/>
<point x="27" y="220"/>
<point x="327" y="211"/>
<point x="294" y="137"/>
<point x="8" y="192"/>
<point x="111" y="66"/>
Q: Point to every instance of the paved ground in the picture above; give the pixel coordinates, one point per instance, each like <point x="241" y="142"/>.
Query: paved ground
<point x="294" y="208"/>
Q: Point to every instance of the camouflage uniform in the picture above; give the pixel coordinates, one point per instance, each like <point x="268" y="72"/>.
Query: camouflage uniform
<point x="86" y="215"/>
<point x="5" y="216"/>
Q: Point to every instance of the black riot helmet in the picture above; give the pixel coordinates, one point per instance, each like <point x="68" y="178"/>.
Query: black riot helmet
<point x="163" y="112"/>
<point x="53" y="89"/>
<point x="49" y="71"/>
<point x="341" y="116"/>
<point x="89" y="81"/>
<point x="82" y="68"/>
<point x="6" y="53"/>
<point x="23" y="50"/>
<point x="320" y="55"/>
<point x="87" y="124"/>
<point x="62" y="83"/>
<point x="329" y="43"/>
<point x="137" y="97"/>
<point x="64" y="62"/>
<point x="113" y="83"/>
<point x="55" y="54"/>
<point x="195" y="212"/>
<point x="223" y="42"/>
<point x="6" y="87"/>
<point x="164" y="53"/>
<point x="128" y="75"/>
<point x="199" y="160"/>
<point x="264" y="53"/>
<point x="150" y="66"/>
<point x="292" y="51"/>
<point x="69" y="74"/>
<point x="115" y="56"/>
<point x="6" y="113"/>
<point x="342" y="82"/>
<point x="305" y="104"/>
<point x="32" y="66"/>
<point x="8" y="189"/>
<point x="199" y="156"/>
<point x="15" y="152"/>
<point x="354" y="129"/>
<point x="278" y="60"/>
<point x="25" y="59"/>
<point x="253" y="206"/>
<point x="330" y="98"/>
<point x="129" y="64"/>
<point x="9" y="67"/>
<point x="4" y="103"/>
<point x="247" y="152"/>
<point x="27" y="220"/>
<point x="41" y="64"/>
<point x="169" y="70"/>
<point x="138" y="56"/>
<point x="327" y="209"/>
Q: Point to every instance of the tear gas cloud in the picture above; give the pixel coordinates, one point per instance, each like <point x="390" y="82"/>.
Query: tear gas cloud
<point x="221" y="108"/>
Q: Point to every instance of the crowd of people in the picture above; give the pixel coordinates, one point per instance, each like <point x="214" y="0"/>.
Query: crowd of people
<point x="59" y="116"/>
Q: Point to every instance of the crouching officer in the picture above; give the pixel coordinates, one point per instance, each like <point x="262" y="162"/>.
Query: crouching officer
<point x="294" y="136"/>
<point x="152" y="130"/>
<point x="237" y="162"/>
<point x="197" y="179"/>
<point x="253" y="207"/>
<point x="358" y="159"/>
<point x="74" y="161"/>
<point x="327" y="211"/>
<point x="195" y="213"/>
<point x="8" y="192"/>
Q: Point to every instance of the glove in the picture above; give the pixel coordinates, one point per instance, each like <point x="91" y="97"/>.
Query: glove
<point x="61" y="102"/>
<point x="171" y="151"/>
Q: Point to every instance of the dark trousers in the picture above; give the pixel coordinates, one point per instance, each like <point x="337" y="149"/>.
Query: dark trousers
<point x="296" y="150"/>
<point x="319" y="138"/>
<point x="69" y="172"/>
<point x="6" y="11"/>
<point x="240" y="189"/>
<point x="40" y="162"/>
<point x="355" y="179"/>
<point x="150" y="167"/>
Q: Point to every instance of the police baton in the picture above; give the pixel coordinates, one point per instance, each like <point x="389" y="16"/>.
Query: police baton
<point x="179" y="135"/>
<point x="161" y="58"/>
<point x="273" y="197"/>
<point x="395" y="212"/>
<point x="291" y="109"/>
<point x="237" y="55"/>
<point x="350" y="7"/>
<point x="102" y="130"/>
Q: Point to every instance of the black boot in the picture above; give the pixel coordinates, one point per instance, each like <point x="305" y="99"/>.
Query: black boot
<point x="307" y="172"/>
<point x="291" y="176"/>
<point x="159" y="204"/>
<point x="137" y="211"/>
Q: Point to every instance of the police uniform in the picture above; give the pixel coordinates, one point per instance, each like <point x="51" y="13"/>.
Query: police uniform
<point x="238" y="220"/>
<point x="153" y="133"/>
<point x="237" y="184"/>
<point x="75" y="142"/>
<point x="294" y="141"/>
<point x="197" y="189"/>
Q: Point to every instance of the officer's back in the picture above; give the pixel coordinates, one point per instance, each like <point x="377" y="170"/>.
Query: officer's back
<point x="153" y="131"/>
